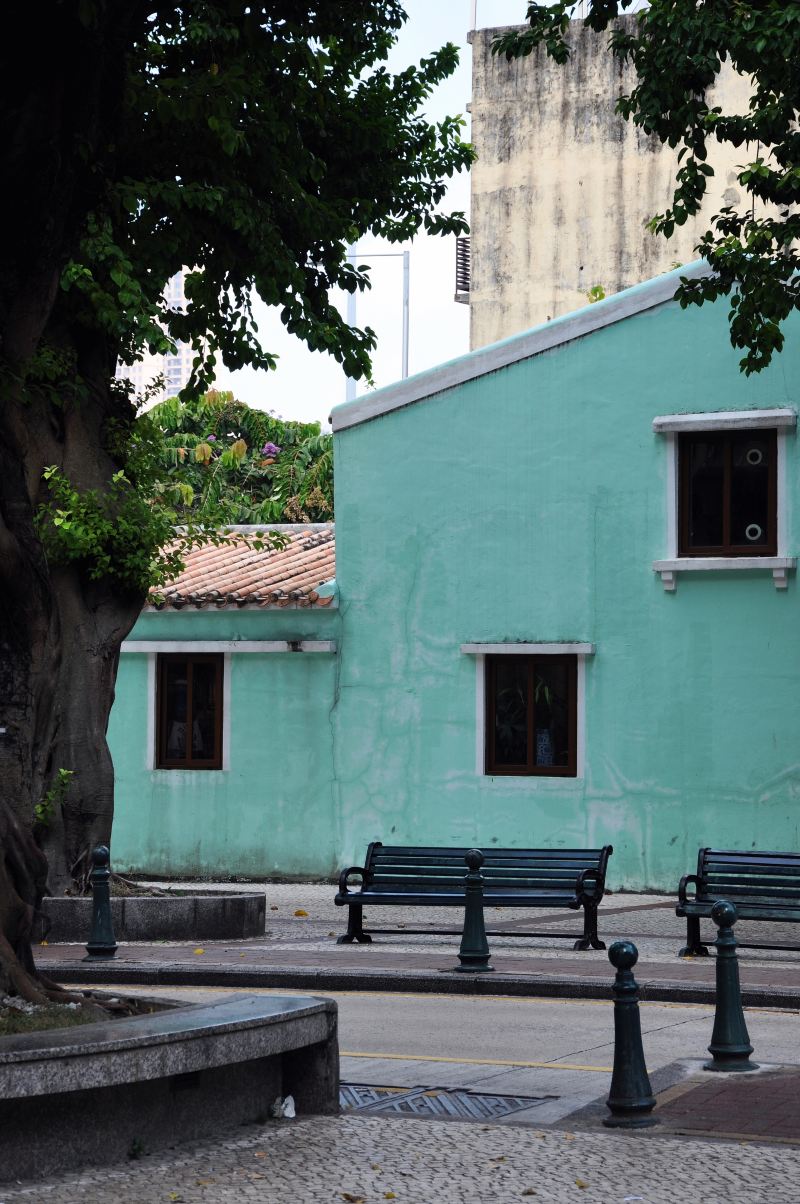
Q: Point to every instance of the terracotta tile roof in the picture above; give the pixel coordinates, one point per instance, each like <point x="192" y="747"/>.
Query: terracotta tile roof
<point x="237" y="575"/>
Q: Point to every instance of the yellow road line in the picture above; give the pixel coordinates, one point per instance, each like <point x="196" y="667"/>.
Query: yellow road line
<point x="396" y="1057"/>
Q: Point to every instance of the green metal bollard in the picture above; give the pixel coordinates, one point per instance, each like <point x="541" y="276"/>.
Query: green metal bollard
<point x="474" y="951"/>
<point x="730" y="1042"/>
<point x="102" y="944"/>
<point x="631" y="1098"/>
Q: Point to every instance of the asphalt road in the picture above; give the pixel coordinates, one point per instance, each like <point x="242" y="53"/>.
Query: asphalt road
<point x="561" y="1049"/>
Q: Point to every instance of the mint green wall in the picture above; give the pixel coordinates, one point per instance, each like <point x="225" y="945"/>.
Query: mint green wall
<point x="529" y="504"/>
<point x="272" y="811"/>
<point x="526" y="505"/>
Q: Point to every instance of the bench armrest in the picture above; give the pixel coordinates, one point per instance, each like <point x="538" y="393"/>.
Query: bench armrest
<point x="590" y="885"/>
<point x="344" y="884"/>
<point x="684" y="882"/>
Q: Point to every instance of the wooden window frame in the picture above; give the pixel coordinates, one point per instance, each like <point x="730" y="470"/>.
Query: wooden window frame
<point x="163" y="661"/>
<point x="531" y="769"/>
<point x="726" y="548"/>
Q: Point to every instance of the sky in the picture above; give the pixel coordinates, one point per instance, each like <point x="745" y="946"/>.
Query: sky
<point x="306" y="385"/>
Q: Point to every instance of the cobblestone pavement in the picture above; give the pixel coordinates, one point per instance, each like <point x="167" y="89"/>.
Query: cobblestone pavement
<point x="649" y="920"/>
<point x="360" y="1159"/>
<point x="317" y="1161"/>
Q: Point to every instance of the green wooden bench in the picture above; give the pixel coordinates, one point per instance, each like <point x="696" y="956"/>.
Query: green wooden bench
<point x="762" y="886"/>
<point x="401" y="876"/>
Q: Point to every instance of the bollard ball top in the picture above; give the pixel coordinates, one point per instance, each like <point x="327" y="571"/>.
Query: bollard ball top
<point x="474" y="859"/>
<point x="723" y="914"/>
<point x="623" y="955"/>
<point x="100" y="854"/>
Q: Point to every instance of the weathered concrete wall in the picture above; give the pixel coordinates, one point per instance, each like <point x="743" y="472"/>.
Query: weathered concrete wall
<point x="529" y="504"/>
<point x="562" y="186"/>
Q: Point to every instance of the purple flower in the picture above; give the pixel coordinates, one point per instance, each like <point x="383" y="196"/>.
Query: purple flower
<point x="211" y="438"/>
<point x="270" y="449"/>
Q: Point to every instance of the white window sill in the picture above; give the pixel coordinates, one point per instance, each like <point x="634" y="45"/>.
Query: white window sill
<point x="779" y="566"/>
<point x="528" y="648"/>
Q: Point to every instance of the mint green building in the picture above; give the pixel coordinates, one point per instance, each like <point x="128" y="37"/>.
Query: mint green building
<point x="566" y="614"/>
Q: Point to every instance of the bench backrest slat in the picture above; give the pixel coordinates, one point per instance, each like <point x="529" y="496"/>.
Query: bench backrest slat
<point x="722" y="890"/>
<point x="757" y="879"/>
<point x="488" y="869"/>
<point x="398" y="868"/>
<point x="449" y="851"/>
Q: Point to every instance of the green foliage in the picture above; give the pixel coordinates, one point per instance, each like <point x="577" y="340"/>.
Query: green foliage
<point x="677" y="48"/>
<point x="117" y="534"/>
<point x="45" y="809"/>
<point x="595" y="293"/>
<point x="256" y="143"/>
<point x="223" y="462"/>
<point x="137" y="531"/>
<point x="250" y="144"/>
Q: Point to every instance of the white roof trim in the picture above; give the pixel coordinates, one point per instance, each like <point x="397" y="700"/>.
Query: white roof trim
<point x="626" y="304"/>
<point x="576" y="649"/>
<point x="188" y="646"/>
<point x="726" y="420"/>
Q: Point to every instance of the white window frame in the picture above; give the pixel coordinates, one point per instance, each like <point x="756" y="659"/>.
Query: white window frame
<point x="151" y="734"/>
<point x="784" y="421"/>
<point x="480" y="652"/>
<point x="151" y="649"/>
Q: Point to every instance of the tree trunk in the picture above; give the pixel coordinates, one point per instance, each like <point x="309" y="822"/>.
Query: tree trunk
<point x="60" y="633"/>
<point x="23" y="873"/>
<point x="62" y="95"/>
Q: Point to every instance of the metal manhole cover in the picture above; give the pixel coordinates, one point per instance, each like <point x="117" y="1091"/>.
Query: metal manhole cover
<point x="433" y="1102"/>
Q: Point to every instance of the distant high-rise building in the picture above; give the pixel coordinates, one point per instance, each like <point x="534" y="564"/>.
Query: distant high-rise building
<point x="175" y="367"/>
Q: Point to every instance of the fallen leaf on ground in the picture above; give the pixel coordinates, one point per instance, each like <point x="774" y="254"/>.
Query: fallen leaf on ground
<point x="529" y="1191"/>
<point x="351" y="1199"/>
<point x="389" y="1195"/>
<point x="581" y="1183"/>
<point x="300" y="912"/>
<point x="376" y="1166"/>
<point x="261" y="1153"/>
<point x="204" y="1182"/>
<point x="44" y="942"/>
<point x="272" y="907"/>
<point x="199" y="950"/>
<point x="569" y="1136"/>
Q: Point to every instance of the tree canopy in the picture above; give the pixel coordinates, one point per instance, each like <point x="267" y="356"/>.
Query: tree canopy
<point x="677" y="49"/>
<point x="250" y="143"/>
<point x="225" y="463"/>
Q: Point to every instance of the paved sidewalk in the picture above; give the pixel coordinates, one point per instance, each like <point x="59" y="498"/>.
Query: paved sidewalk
<point x="731" y="1139"/>
<point x="367" y="1161"/>
<point x="753" y="1107"/>
<point x="299" y="950"/>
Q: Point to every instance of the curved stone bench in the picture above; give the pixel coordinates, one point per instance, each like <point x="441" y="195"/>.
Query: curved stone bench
<point x="211" y="917"/>
<point x="100" y="1092"/>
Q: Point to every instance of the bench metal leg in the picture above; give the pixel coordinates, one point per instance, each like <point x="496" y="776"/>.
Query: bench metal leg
<point x="590" y="939"/>
<point x="694" y="946"/>
<point x="355" y="927"/>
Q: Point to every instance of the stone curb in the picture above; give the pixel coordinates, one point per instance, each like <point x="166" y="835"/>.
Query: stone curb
<point x="187" y="917"/>
<point x="418" y="981"/>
